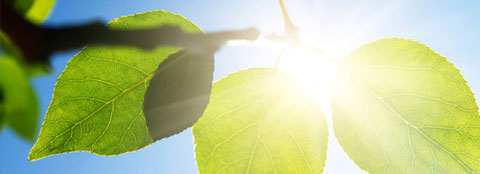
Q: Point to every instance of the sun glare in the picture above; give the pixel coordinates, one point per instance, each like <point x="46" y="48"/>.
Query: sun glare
<point x="312" y="69"/>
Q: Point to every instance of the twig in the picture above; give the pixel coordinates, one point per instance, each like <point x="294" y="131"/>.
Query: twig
<point x="290" y="29"/>
<point x="291" y="36"/>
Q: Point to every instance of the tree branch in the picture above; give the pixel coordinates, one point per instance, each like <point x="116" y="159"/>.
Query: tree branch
<point x="38" y="43"/>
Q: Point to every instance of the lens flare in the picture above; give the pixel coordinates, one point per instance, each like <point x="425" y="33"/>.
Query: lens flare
<point x="312" y="69"/>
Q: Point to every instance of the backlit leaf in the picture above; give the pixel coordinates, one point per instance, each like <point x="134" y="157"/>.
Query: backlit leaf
<point x="36" y="11"/>
<point x="399" y="107"/>
<point x="260" y="121"/>
<point x="97" y="104"/>
<point x="39" y="10"/>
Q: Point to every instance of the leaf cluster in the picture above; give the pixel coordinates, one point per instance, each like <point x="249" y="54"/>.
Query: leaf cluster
<point x="397" y="107"/>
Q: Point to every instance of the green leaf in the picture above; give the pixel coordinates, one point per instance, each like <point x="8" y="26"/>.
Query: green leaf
<point x="22" y="6"/>
<point x="19" y="107"/>
<point x="36" y="11"/>
<point x="399" y="107"/>
<point x="98" y="100"/>
<point x="39" y="10"/>
<point x="178" y="95"/>
<point x="260" y="121"/>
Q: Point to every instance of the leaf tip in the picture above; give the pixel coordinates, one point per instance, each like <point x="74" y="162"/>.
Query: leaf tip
<point x="33" y="155"/>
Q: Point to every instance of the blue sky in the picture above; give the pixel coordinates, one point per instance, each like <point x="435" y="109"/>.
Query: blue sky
<point x="450" y="28"/>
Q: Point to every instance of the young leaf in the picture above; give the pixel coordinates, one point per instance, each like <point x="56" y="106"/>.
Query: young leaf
<point x="34" y="10"/>
<point x="179" y="93"/>
<point x="97" y="104"/>
<point x="399" y="107"/>
<point x="19" y="106"/>
<point x="39" y="10"/>
<point x="260" y="121"/>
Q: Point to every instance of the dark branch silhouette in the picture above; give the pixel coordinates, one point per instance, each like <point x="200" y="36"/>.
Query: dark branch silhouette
<point x="37" y="43"/>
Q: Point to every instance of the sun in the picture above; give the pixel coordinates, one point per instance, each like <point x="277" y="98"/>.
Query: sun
<point x="312" y="69"/>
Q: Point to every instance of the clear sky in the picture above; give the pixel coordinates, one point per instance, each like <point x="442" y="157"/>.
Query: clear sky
<point x="451" y="28"/>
